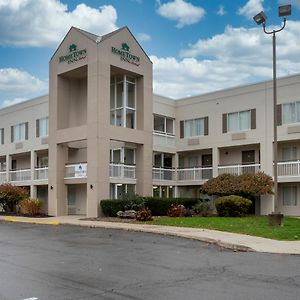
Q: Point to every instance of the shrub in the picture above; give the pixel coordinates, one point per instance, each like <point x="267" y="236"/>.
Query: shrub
<point x="177" y="211"/>
<point x="202" y="208"/>
<point x="31" y="207"/>
<point x="232" y="206"/>
<point x="10" y="196"/>
<point x="111" y="207"/>
<point x="144" y="215"/>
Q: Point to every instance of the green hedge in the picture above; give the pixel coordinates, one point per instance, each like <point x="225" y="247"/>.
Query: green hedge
<point x="158" y="206"/>
<point x="232" y="206"/>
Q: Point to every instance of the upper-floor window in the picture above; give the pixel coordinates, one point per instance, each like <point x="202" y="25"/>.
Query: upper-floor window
<point x="239" y="121"/>
<point x="163" y="124"/>
<point x="194" y="127"/>
<point x="291" y="112"/>
<point x="1" y="136"/>
<point x="123" y="101"/>
<point x="42" y="127"/>
<point x="19" y="132"/>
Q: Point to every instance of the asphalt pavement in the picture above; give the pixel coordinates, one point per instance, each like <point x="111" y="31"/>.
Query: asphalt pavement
<point x="44" y="262"/>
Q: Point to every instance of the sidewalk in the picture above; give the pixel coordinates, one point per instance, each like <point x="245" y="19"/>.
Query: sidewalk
<point x="238" y="242"/>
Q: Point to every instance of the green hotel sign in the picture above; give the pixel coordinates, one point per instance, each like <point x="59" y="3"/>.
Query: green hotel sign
<point x="125" y="55"/>
<point x="74" y="55"/>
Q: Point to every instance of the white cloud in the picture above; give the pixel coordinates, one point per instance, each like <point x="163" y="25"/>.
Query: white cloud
<point x="45" y="22"/>
<point x="221" y="11"/>
<point x="181" y="11"/>
<point x="251" y="8"/>
<point x="236" y="57"/>
<point x="143" y="37"/>
<point x="17" y="82"/>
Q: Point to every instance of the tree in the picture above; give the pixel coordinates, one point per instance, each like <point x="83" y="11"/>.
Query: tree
<point x="246" y="185"/>
<point x="10" y="196"/>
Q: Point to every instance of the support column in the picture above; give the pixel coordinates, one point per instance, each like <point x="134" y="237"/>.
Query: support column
<point x="8" y="166"/>
<point x="216" y="160"/>
<point x="57" y="190"/>
<point x="33" y="191"/>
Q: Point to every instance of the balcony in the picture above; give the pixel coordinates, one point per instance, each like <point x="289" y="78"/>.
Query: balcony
<point x="194" y="174"/>
<point x="122" y="171"/>
<point x="239" y="169"/>
<point x="78" y="170"/>
<point x="164" y="140"/>
<point x="20" y="175"/>
<point x="41" y="173"/>
<point x="2" y="176"/>
<point x="163" y="174"/>
<point x="289" y="169"/>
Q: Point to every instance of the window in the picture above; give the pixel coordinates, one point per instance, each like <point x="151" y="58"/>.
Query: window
<point x="123" y="101"/>
<point x="289" y="195"/>
<point x="194" y="127"/>
<point x="239" y="121"/>
<point x="2" y="136"/>
<point x="42" y="127"/>
<point x="291" y="112"/>
<point x="163" y="124"/>
<point x="19" y="132"/>
<point x="289" y="153"/>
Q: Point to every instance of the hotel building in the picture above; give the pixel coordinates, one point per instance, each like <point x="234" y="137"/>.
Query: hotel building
<point x="101" y="132"/>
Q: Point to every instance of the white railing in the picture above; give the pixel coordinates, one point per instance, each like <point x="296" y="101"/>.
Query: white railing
<point x="78" y="170"/>
<point x="288" y="168"/>
<point x="20" y="175"/>
<point x="194" y="173"/>
<point x="239" y="169"/>
<point x="122" y="171"/>
<point x="161" y="139"/>
<point x="2" y="176"/>
<point x="41" y="173"/>
<point x="163" y="174"/>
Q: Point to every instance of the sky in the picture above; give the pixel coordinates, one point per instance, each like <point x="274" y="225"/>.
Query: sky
<point x="196" y="46"/>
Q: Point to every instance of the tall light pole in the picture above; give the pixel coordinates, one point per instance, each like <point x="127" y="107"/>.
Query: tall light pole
<point x="283" y="11"/>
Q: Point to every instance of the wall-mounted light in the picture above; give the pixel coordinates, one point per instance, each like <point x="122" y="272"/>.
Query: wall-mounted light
<point x="91" y="186"/>
<point x="51" y="187"/>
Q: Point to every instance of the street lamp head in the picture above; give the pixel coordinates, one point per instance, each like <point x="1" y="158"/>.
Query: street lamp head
<point x="284" y="10"/>
<point x="260" y="18"/>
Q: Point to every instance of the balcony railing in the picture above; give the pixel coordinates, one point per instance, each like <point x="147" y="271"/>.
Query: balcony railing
<point x="20" y="175"/>
<point x="41" y="173"/>
<point x="239" y="169"/>
<point x="78" y="170"/>
<point x="2" y="176"/>
<point x="122" y="171"/>
<point x="288" y="168"/>
<point x="163" y="174"/>
<point x="165" y="140"/>
<point x="194" y="174"/>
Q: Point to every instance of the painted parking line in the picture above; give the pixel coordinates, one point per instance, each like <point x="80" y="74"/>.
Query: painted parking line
<point x="9" y="219"/>
<point x="31" y="298"/>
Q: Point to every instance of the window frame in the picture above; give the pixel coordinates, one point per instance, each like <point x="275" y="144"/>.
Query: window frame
<point x="296" y="116"/>
<point x="165" y="118"/>
<point x="193" y="120"/>
<point x="239" y="121"/>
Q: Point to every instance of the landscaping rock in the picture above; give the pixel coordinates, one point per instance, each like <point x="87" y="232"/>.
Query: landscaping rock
<point x="127" y="214"/>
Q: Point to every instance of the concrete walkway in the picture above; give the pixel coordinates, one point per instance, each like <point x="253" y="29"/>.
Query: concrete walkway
<point x="237" y="242"/>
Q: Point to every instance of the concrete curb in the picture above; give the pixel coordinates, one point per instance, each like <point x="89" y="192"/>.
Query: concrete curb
<point x="9" y="219"/>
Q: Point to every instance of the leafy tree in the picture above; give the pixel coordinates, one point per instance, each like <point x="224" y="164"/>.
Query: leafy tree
<point x="10" y="196"/>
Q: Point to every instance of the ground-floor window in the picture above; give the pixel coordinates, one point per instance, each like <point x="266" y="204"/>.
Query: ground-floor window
<point x="163" y="191"/>
<point x="289" y="195"/>
<point x="120" y="190"/>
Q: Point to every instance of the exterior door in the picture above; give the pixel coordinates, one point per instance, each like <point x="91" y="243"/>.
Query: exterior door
<point x="206" y="163"/>
<point x="248" y="158"/>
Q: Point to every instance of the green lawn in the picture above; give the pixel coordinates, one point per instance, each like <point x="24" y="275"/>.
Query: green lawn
<point x="257" y="226"/>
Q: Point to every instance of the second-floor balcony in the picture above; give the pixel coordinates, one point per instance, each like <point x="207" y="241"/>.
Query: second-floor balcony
<point x="288" y="168"/>
<point x="41" y="173"/>
<point x="163" y="174"/>
<point x="122" y="171"/>
<point x="75" y="171"/>
<point x="239" y="169"/>
<point x="20" y="175"/>
<point x="195" y="174"/>
<point x="2" y="176"/>
<point x="163" y="139"/>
